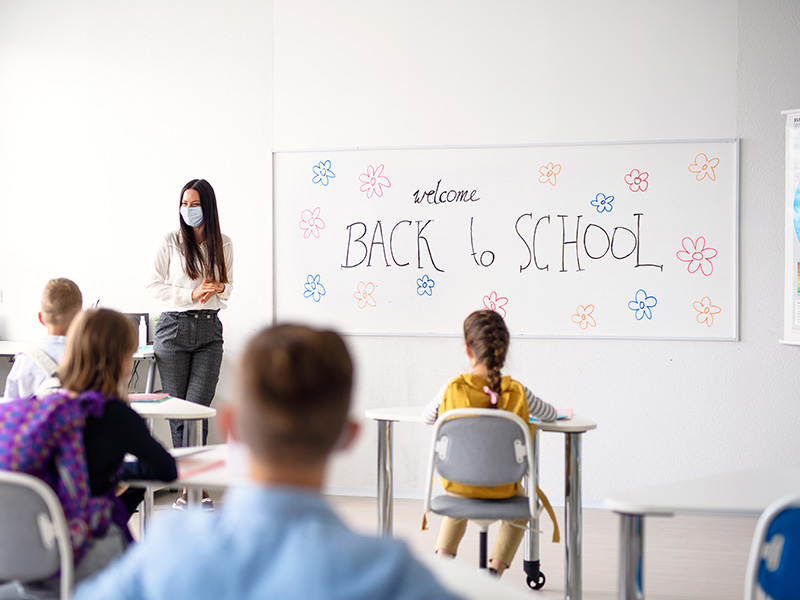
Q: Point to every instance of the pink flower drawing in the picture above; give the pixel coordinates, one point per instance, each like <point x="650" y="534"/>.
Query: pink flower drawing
<point x="547" y="173"/>
<point x="364" y="294"/>
<point x="310" y="223"/>
<point x="697" y="254"/>
<point x="704" y="167"/>
<point x="583" y="316"/>
<point x="373" y="181"/>
<point x="492" y="302"/>
<point x="637" y="180"/>
<point x="706" y="311"/>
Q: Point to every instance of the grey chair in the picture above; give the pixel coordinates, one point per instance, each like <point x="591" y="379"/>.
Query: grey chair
<point x="482" y="447"/>
<point x="34" y="536"/>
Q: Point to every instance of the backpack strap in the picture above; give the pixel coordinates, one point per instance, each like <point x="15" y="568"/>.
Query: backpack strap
<point x="43" y="361"/>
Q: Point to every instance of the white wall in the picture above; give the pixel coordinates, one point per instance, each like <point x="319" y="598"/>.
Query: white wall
<point x="422" y="73"/>
<point x="106" y="109"/>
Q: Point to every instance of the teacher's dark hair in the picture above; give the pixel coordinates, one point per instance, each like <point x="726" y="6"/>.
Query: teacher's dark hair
<point x="214" y="268"/>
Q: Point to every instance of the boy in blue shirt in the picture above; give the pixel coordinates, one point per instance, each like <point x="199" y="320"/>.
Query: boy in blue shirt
<point x="61" y="301"/>
<point x="274" y="537"/>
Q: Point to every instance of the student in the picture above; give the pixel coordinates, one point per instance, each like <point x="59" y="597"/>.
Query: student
<point x="76" y="440"/>
<point x="61" y="301"/>
<point x="487" y="339"/>
<point x="192" y="277"/>
<point x="275" y="537"/>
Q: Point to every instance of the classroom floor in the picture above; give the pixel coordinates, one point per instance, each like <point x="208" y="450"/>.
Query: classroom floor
<point x="695" y="557"/>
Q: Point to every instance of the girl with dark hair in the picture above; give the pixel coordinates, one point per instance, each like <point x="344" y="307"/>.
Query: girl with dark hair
<point x="192" y="277"/>
<point x="486" y="338"/>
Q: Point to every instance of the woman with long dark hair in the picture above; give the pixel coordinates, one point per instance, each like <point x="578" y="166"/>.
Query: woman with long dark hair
<point x="192" y="277"/>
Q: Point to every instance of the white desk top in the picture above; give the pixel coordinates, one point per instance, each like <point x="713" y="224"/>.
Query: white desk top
<point x="413" y="414"/>
<point x="748" y="491"/>
<point x="8" y="348"/>
<point x="174" y="408"/>
<point x="13" y="348"/>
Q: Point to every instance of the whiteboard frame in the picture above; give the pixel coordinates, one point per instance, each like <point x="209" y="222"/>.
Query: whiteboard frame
<point x="736" y="233"/>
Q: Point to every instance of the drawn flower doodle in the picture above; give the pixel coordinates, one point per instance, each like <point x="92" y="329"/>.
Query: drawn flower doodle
<point x="323" y="173"/>
<point x="492" y="302"/>
<point x="314" y="289"/>
<point x="373" y="181"/>
<point x="603" y="203"/>
<point x="425" y="286"/>
<point x="364" y="294"/>
<point x="642" y="305"/>
<point x="583" y="316"/>
<point x="547" y="173"/>
<point x="310" y="223"/>
<point x="706" y="311"/>
<point x="704" y="167"/>
<point x="697" y="254"/>
<point x="637" y="180"/>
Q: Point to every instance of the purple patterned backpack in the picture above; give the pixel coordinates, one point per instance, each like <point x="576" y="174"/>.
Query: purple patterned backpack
<point x="44" y="437"/>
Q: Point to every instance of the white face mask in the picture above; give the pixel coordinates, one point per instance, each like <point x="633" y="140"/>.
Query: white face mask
<point x="192" y="215"/>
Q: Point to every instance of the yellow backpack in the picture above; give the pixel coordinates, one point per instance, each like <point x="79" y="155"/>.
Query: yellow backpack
<point x="466" y="391"/>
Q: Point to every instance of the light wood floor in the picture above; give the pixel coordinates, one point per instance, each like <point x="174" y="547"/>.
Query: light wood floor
<point x="693" y="557"/>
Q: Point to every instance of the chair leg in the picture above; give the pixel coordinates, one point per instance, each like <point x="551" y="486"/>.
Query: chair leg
<point x="482" y="559"/>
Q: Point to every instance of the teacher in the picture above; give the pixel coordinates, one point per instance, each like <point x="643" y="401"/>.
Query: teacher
<point x="192" y="277"/>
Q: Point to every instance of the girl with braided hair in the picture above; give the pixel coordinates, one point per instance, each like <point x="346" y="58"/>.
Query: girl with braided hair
<point x="486" y="338"/>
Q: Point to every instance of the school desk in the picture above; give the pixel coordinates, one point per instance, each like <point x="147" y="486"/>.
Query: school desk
<point x="746" y="492"/>
<point x="11" y="349"/>
<point x="172" y="408"/>
<point x="572" y="430"/>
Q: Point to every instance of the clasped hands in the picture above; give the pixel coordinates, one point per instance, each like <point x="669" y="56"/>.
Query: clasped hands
<point x="205" y="290"/>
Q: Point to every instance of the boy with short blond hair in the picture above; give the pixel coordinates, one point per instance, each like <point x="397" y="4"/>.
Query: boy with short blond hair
<point x="61" y="301"/>
<point x="274" y="537"/>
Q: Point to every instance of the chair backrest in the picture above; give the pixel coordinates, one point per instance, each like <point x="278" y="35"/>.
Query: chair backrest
<point x="482" y="447"/>
<point x="34" y="537"/>
<point x="481" y="450"/>
<point x="774" y="562"/>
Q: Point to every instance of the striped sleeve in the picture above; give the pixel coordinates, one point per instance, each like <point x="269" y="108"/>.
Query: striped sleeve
<point x="539" y="408"/>
<point x="431" y="411"/>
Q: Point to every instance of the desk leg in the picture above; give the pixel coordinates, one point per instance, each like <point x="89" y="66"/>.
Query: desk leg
<point x="147" y="505"/>
<point x="385" y="491"/>
<point x="151" y="376"/>
<point x="573" y="572"/>
<point x="193" y="495"/>
<point x="631" y="557"/>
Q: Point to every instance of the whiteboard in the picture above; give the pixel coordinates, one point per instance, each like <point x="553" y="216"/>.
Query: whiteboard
<point x="635" y="240"/>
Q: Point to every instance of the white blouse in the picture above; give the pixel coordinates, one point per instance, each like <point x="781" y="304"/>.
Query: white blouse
<point x="170" y="284"/>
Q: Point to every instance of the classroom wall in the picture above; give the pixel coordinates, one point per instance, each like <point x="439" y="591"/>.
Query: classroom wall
<point x="106" y="109"/>
<point x="421" y="73"/>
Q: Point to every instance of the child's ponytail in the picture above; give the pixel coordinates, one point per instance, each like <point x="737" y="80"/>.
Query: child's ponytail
<point x="486" y="334"/>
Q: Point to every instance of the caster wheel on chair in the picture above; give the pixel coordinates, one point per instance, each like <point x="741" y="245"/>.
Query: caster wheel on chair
<point x="537" y="584"/>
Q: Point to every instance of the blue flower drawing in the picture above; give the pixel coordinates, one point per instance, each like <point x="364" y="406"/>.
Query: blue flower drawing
<point x="425" y="286"/>
<point x="603" y="203"/>
<point x="643" y="305"/>
<point x="322" y="172"/>
<point x="314" y="289"/>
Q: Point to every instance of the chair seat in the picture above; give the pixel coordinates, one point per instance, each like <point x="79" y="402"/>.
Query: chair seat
<point x="507" y="509"/>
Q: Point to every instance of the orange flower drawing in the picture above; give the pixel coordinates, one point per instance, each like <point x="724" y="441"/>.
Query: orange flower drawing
<point x="364" y="294"/>
<point x="704" y="167"/>
<point x="706" y="311"/>
<point x="547" y="173"/>
<point x="583" y="316"/>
